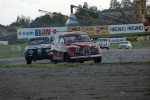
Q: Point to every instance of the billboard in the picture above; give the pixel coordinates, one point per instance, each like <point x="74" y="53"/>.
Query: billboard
<point x="117" y="40"/>
<point x="46" y="31"/>
<point x="127" y="28"/>
<point x="137" y="38"/>
<point x="3" y="42"/>
<point x="146" y="27"/>
<point x="25" y="33"/>
<point x="90" y="30"/>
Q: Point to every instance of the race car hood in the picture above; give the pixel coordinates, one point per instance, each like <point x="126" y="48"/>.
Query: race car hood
<point x="123" y="44"/>
<point x="83" y="44"/>
<point x="38" y="46"/>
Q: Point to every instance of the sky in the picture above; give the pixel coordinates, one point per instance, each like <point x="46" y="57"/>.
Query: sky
<point x="10" y="9"/>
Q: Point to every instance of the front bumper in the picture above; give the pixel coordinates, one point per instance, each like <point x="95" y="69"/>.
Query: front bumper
<point x="37" y="57"/>
<point x="123" y="46"/>
<point x="85" y="57"/>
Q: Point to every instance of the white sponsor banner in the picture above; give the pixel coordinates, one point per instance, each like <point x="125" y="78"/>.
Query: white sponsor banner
<point x="58" y="30"/>
<point x="16" y="48"/>
<point x="25" y="33"/>
<point x="117" y="40"/>
<point x="148" y="37"/>
<point x="126" y="28"/>
<point x="46" y="31"/>
<point x="3" y="42"/>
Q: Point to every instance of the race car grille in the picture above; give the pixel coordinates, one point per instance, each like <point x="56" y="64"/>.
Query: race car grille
<point x="86" y="51"/>
<point x="123" y="46"/>
<point x="40" y="51"/>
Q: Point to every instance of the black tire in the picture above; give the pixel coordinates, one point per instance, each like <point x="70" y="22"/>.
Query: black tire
<point x="98" y="60"/>
<point x="29" y="61"/>
<point x="67" y="58"/>
<point x="107" y="48"/>
<point x="52" y="60"/>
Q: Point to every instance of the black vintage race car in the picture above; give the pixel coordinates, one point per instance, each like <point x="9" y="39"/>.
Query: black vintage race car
<point x="38" y="48"/>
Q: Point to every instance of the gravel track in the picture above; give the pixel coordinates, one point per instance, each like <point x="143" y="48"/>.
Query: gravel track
<point x="96" y="82"/>
<point x="106" y="81"/>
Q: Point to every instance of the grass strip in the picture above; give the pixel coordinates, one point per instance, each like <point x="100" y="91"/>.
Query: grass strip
<point x="11" y="54"/>
<point x="68" y="65"/>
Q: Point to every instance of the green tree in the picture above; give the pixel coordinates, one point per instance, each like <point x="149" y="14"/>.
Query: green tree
<point x="53" y="19"/>
<point x="22" y="20"/>
<point x="93" y="8"/>
<point x="3" y="26"/>
<point x="126" y="3"/>
<point x="82" y="12"/>
<point x="86" y="5"/>
<point x="114" y="4"/>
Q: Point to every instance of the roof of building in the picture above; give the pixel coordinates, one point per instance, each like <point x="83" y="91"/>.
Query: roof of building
<point x="3" y="32"/>
<point x="37" y="23"/>
<point x="117" y="10"/>
<point x="53" y="25"/>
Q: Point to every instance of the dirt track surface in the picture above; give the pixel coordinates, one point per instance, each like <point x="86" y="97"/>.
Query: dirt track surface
<point x="108" y="56"/>
<point x="96" y="82"/>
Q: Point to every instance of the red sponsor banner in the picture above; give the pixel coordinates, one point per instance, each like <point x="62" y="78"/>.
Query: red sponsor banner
<point x="146" y="26"/>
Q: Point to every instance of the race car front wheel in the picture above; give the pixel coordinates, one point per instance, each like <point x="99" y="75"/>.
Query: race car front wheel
<point x="98" y="60"/>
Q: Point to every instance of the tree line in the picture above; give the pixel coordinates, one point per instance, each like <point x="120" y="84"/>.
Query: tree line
<point x="79" y="13"/>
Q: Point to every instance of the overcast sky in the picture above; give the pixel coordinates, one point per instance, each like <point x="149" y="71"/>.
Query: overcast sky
<point x="10" y="9"/>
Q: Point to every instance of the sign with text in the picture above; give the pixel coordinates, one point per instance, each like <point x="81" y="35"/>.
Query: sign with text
<point x="146" y="26"/>
<point x="3" y="42"/>
<point x="137" y="38"/>
<point x="16" y="48"/>
<point x="117" y="40"/>
<point x="46" y="31"/>
<point x="127" y="28"/>
<point x="91" y="30"/>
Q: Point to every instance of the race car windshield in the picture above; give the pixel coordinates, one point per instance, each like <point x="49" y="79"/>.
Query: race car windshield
<point x="77" y="38"/>
<point x="102" y="40"/>
<point x="124" y="42"/>
<point x="35" y="41"/>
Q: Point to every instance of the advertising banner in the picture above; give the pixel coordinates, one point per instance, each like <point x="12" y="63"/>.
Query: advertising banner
<point x="3" y="42"/>
<point x="127" y="28"/>
<point x="47" y="31"/>
<point x="91" y="30"/>
<point x="16" y="48"/>
<point x="117" y="40"/>
<point x="25" y="33"/>
<point x="105" y="29"/>
<point x="142" y="38"/>
<point x="137" y="38"/>
<point x="146" y="27"/>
